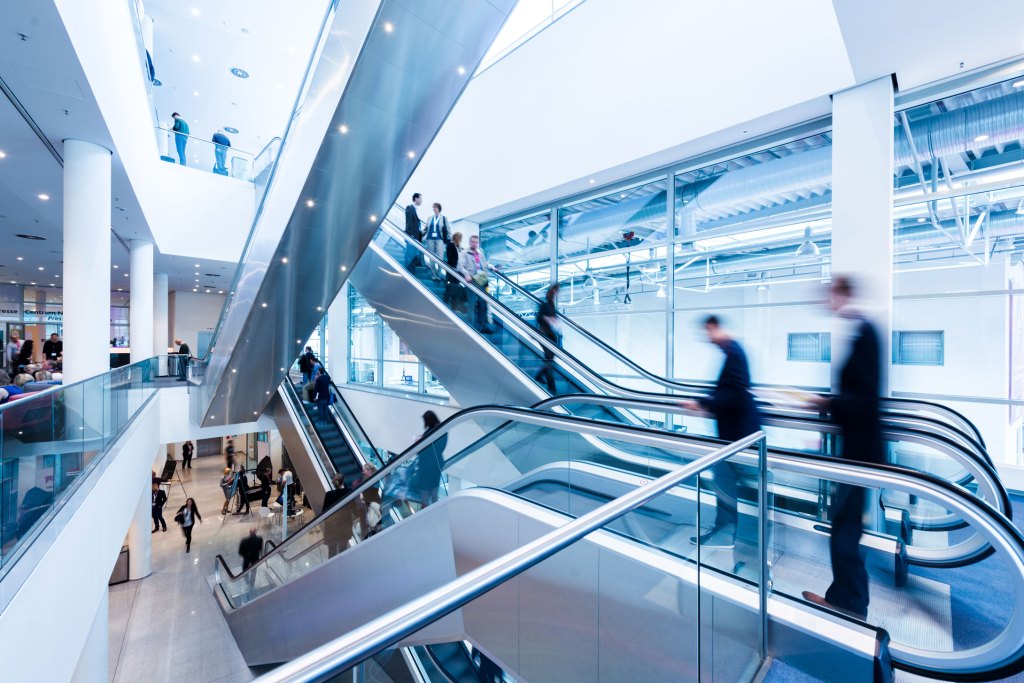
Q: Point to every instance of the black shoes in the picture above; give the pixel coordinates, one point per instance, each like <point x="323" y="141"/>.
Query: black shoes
<point x="716" y="537"/>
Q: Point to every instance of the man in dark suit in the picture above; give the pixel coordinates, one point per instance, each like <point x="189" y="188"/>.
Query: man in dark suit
<point x="159" y="500"/>
<point x="412" y="229"/>
<point x="736" y="416"/>
<point x="855" y="409"/>
<point x="338" y="526"/>
<point x="184" y="353"/>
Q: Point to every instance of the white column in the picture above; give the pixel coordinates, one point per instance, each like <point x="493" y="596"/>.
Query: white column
<point x="160" y="340"/>
<point x="93" y="661"/>
<point x="337" y="337"/>
<point x="140" y="537"/>
<point x="140" y="315"/>
<point x="86" y="260"/>
<point x="862" y="177"/>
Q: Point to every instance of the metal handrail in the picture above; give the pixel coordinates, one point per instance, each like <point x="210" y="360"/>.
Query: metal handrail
<point x="580" y="425"/>
<point x="581" y="371"/>
<point x="342" y="653"/>
<point x="674" y="385"/>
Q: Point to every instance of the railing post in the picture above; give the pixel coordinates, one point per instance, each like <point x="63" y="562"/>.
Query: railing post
<point x="762" y="541"/>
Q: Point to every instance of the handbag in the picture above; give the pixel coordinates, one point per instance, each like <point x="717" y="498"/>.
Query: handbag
<point x="180" y="518"/>
<point x="481" y="279"/>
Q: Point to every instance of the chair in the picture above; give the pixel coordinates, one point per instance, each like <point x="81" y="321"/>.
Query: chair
<point x="265" y="514"/>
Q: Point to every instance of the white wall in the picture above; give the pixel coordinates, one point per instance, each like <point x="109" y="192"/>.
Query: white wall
<point x="392" y="422"/>
<point x="615" y="83"/>
<point x="189" y="313"/>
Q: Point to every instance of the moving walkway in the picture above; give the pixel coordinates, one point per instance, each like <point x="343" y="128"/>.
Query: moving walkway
<point x="540" y="472"/>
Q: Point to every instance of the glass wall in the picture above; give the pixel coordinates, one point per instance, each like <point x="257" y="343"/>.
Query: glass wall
<point x="379" y="358"/>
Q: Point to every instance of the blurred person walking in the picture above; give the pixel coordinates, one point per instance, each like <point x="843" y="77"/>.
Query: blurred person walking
<point x="473" y="266"/>
<point x="855" y="408"/>
<point x="307" y="361"/>
<point x="430" y="462"/>
<point x="226" y="482"/>
<point x="437" y="237"/>
<point x="187" y="516"/>
<point x="220" y="151"/>
<point x="736" y="416"/>
<point x="412" y="229"/>
<point x="551" y="328"/>
<point x="180" y="130"/>
<point x="454" y="292"/>
<point x="322" y="396"/>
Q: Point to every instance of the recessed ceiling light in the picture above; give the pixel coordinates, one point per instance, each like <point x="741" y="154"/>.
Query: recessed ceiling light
<point x="591" y="181"/>
<point x="284" y="259"/>
<point x="462" y="70"/>
<point x="264" y="304"/>
<point x="411" y="154"/>
<point x="343" y="269"/>
<point x="195" y="58"/>
<point x="53" y="284"/>
<point x="981" y="138"/>
<point x="194" y="289"/>
<point x="126" y="274"/>
<point x="310" y="203"/>
<point x="119" y="289"/>
<point x="42" y="268"/>
<point x="195" y="11"/>
<point x="13" y="282"/>
<point x="388" y="27"/>
<point x="221" y="291"/>
<point x="22" y="258"/>
<point x="291" y="48"/>
<point x="116" y="266"/>
<point x="373" y="218"/>
<point x="240" y="73"/>
<point x="343" y="129"/>
<point x="195" y="93"/>
<point x="32" y="283"/>
<point x="43" y="196"/>
<point x="3" y="154"/>
<point x="56" y="275"/>
<point x="197" y="265"/>
<point x="319" y="308"/>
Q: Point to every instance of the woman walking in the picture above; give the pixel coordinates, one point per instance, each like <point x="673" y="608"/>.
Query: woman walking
<point x="186" y="517"/>
<point x="225" y="485"/>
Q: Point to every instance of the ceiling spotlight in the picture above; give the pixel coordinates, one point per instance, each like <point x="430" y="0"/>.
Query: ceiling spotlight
<point x="411" y="154"/>
<point x="115" y="265"/>
<point x="194" y="289"/>
<point x="43" y="196"/>
<point x="119" y="289"/>
<point x="373" y="218"/>
<point x="343" y="129"/>
<point x="343" y="269"/>
<point x="310" y="203"/>
<point x="195" y="58"/>
<point x="240" y="73"/>
<point x="221" y="291"/>
<point x="13" y="282"/>
<point x="461" y="70"/>
<point x="981" y="138"/>
<point x="3" y="154"/>
<point x="319" y="308"/>
<point x="41" y="268"/>
<point x="388" y="27"/>
<point x="808" y="248"/>
<point x="22" y="258"/>
<point x="591" y="181"/>
<point x="32" y="283"/>
<point x="195" y="11"/>
<point x="264" y="304"/>
<point x="126" y="274"/>
<point x="284" y="259"/>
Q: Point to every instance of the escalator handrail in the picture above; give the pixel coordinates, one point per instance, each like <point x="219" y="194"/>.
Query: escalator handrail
<point x="342" y="653"/>
<point x="673" y="385"/>
<point x="350" y="441"/>
<point x="326" y="464"/>
<point x="362" y="432"/>
<point x="579" y="369"/>
<point x="643" y="435"/>
<point x="1001" y="500"/>
<point x="1002" y="656"/>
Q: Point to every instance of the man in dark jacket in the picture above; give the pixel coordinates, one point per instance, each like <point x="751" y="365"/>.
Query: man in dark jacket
<point x="307" y="361"/>
<point x="250" y="549"/>
<point x="322" y="395"/>
<point x="338" y="525"/>
<point x="159" y="500"/>
<point x="184" y="353"/>
<point x="412" y="229"/>
<point x="736" y="416"/>
<point x="855" y="407"/>
<point x="53" y="348"/>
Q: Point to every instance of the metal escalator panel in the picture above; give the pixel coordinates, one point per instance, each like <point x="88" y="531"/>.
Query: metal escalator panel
<point x="387" y="79"/>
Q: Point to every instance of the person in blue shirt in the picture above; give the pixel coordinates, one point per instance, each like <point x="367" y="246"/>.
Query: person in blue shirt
<point x="180" y="136"/>
<point x="736" y="416"/>
<point x="436" y="238"/>
<point x="221" y="144"/>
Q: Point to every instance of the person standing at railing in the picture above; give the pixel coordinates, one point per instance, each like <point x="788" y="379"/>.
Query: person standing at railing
<point x="473" y="266"/>
<point x="307" y="361"/>
<point x="856" y="408"/>
<point x="436" y="237"/>
<point x="412" y="229"/>
<point x="184" y="353"/>
<point x="454" y="292"/>
<point x="551" y="328"/>
<point x="12" y="352"/>
<point x="180" y="130"/>
<point x="322" y="396"/>
<point x="735" y="412"/>
<point x="220" y="151"/>
<point x="186" y="455"/>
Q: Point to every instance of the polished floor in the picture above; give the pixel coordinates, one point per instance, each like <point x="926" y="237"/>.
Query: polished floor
<point x="168" y="627"/>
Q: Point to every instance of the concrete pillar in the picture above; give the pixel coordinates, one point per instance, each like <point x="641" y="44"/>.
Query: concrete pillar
<point x="337" y="337"/>
<point x="93" y="661"/>
<point x="140" y="315"/>
<point x="160" y="338"/>
<point x="862" y="177"/>
<point x="140" y="536"/>
<point x="86" y="260"/>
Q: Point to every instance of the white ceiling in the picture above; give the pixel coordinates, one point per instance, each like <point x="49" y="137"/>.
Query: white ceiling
<point x="272" y="43"/>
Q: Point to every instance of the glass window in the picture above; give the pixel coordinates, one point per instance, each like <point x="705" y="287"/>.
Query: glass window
<point x="518" y="243"/>
<point x="917" y="348"/>
<point x="620" y="220"/>
<point x="813" y="347"/>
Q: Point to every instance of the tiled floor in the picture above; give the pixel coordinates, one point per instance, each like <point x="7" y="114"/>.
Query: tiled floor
<point x="168" y="627"/>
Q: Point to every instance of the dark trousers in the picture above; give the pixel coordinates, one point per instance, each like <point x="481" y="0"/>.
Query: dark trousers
<point x="158" y="518"/>
<point x="480" y="313"/>
<point x="322" y="410"/>
<point x="849" y="589"/>
<point x="186" y="460"/>
<point x="243" y="501"/>
<point x="726" y="488"/>
<point x="187" y="530"/>
<point x="265" y="500"/>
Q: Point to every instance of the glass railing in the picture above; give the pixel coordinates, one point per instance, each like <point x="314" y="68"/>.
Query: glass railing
<point x="53" y="439"/>
<point x="446" y="461"/>
<point x="205" y="155"/>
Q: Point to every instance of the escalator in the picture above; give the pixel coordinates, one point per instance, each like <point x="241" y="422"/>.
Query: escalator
<point x="540" y="472"/>
<point x="497" y="363"/>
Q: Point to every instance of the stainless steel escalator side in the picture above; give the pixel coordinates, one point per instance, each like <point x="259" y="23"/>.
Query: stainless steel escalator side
<point x="384" y="85"/>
